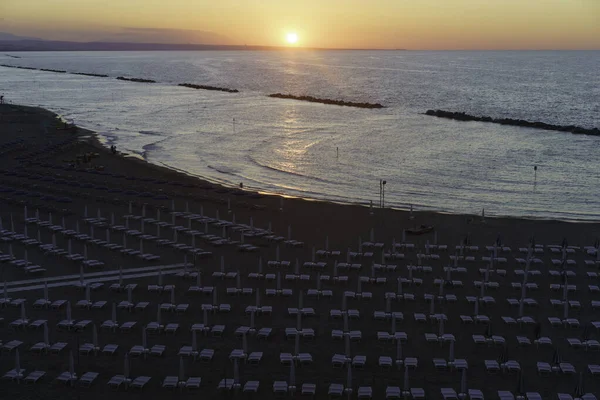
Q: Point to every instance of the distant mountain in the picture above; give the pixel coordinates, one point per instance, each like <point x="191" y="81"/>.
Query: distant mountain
<point x="4" y="36"/>
<point x="47" y="45"/>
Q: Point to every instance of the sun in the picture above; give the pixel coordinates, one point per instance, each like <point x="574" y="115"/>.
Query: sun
<point x="292" y="38"/>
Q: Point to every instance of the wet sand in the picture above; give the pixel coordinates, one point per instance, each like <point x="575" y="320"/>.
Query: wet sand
<point x="38" y="165"/>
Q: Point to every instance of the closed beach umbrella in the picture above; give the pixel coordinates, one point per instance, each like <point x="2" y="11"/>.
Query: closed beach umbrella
<point x="398" y="350"/>
<point x="215" y="297"/>
<point x="46" y="336"/>
<point x="108" y="236"/>
<point x="120" y="276"/>
<point x="556" y="358"/>
<point x="23" y="315"/>
<point x="144" y="340"/>
<point x="252" y="320"/>
<point x="160" y="277"/>
<point x="87" y="293"/>
<point x="129" y="294"/>
<point x="348" y="378"/>
<point x="393" y="324"/>
<point x="406" y="387"/>
<point x="5" y="289"/>
<point x="71" y="365"/>
<point x="181" y="370"/>
<point x="199" y="279"/>
<point x="521" y="384"/>
<point x="69" y="311"/>
<point x="205" y="317"/>
<point x="292" y="376"/>
<point x="17" y="363"/>
<point x="297" y="344"/>
<point x="244" y="344"/>
<point x="95" y="338"/>
<point x="347" y="345"/>
<point x="399" y="285"/>
<point x="299" y="321"/>
<point x="432" y="307"/>
<point x="158" y="319"/>
<point x="580" y="389"/>
<point x="441" y="327"/>
<point x="85" y="253"/>
<point x="463" y="381"/>
<point x="451" y="355"/>
<point x="126" y="367"/>
<point x="236" y="372"/>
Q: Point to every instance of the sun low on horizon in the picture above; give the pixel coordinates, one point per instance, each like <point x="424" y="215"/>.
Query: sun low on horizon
<point x="291" y="38"/>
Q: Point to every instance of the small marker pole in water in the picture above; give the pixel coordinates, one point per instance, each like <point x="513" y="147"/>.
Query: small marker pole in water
<point x="337" y="152"/>
<point x="535" y="173"/>
<point x="234" y="125"/>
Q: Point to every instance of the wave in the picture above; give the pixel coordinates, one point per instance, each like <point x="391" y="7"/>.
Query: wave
<point x="151" y="133"/>
<point x="272" y="168"/>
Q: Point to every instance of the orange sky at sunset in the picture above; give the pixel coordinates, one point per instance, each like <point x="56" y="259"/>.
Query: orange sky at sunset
<point x="410" y="24"/>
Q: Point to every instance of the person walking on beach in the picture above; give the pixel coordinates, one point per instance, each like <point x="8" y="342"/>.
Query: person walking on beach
<point x="1" y="99"/>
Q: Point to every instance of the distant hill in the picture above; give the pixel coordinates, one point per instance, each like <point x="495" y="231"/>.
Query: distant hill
<point x="43" y="45"/>
<point x="4" y="36"/>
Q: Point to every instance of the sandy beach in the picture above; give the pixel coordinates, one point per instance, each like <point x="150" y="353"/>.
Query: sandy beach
<point x="65" y="173"/>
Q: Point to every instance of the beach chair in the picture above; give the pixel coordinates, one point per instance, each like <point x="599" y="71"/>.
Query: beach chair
<point x="335" y="390"/>
<point x="34" y="376"/>
<point x="543" y="368"/>
<point x="280" y="388"/>
<point x="255" y="357"/>
<point x="170" y="382"/>
<point x="88" y="379"/>
<point x="475" y="394"/>
<point x="140" y="382"/>
<point x="365" y="392"/>
<point x="58" y="347"/>
<point x="110" y="349"/>
<point x="567" y="368"/>
<point x="448" y="394"/>
<point x="492" y="366"/>
<point x="67" y="378"/>
<point x="308" y="389"/>
<point x="158" y="350"/>
<point x="13" y="374"/>
<point x="505" y="395"/>
<point x="533" y="396"/>
<point x="251" y="387"/>
<point x="116" y="381"/>
<point x="206" y="355"/>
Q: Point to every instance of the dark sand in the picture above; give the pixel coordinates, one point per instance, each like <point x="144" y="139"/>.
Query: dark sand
<point x="35" y="161"/>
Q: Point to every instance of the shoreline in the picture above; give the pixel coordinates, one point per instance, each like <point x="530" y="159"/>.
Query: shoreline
<point x="98" y="139"/>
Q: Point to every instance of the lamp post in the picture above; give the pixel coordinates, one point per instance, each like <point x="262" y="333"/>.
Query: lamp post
<point x="382" y="189"/>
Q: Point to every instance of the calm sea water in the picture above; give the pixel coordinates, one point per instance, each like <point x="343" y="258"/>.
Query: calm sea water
<point x="291" y="147"/>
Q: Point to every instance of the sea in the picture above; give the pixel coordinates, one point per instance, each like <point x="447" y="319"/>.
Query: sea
<point x="337" y="153"/>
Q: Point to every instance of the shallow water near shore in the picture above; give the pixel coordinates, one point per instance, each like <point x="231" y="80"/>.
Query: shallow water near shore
<point x="289" y="147"/>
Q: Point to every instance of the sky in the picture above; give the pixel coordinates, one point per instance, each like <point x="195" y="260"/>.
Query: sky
<point x="385" y="24"/>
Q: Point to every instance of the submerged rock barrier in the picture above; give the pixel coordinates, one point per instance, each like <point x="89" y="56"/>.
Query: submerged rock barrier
<point x="86" y="74"/>
<point x="17" y="66"/>
<point x="58" y="71"/>
<point x="205" y="87"/>
<point x="461" y="116"/>
<point x="139" y="80"/>
<point x="326" y="101"/>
